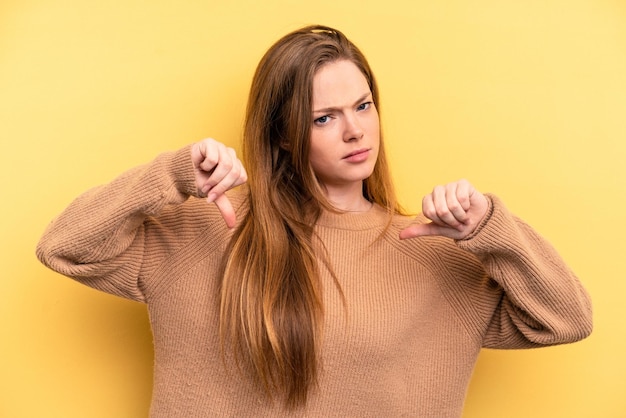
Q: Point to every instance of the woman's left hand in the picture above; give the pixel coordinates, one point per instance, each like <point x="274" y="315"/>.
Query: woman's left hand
<point x="455" y="210"/>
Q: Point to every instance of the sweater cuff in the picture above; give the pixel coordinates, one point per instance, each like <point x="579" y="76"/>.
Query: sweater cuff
<point x="498" y="229"/>
<point x="484" y="221"/>
<point x="181" y="169"/>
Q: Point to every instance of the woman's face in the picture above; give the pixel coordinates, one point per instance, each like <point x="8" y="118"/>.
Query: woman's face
<point x="345" y="132"/>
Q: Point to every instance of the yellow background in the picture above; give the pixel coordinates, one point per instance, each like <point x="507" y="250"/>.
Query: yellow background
<point x="527" y="99"/>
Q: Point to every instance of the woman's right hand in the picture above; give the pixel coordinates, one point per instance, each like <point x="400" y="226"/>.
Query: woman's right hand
<point x="217" y="169"/>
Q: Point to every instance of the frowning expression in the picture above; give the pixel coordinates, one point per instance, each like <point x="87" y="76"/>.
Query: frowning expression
<point x="345" y="132"/>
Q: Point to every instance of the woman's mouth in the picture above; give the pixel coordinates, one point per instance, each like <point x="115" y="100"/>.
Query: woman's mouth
<point x="357" y="156"/>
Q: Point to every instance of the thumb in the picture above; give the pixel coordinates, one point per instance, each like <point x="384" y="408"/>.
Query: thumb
<point x="226" y="209"/>
<point x="423" y="230"/>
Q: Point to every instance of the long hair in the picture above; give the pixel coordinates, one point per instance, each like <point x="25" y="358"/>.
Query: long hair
<point x="271" y="309"/>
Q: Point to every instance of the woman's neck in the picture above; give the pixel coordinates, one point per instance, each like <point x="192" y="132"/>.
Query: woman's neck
<point x="348" y="199"/>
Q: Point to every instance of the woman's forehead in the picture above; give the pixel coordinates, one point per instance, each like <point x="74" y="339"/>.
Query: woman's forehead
<point x="338" y="84"/>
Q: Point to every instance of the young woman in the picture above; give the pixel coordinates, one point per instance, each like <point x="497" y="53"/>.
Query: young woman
<point x="306" y="291"/>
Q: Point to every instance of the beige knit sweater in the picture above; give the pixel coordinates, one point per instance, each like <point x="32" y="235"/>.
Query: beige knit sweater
<point x="418" y="311"/>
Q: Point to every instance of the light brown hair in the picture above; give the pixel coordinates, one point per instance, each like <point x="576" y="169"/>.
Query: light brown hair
<point x="271" y="310"/>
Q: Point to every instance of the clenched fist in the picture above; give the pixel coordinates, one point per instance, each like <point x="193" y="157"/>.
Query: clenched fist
<point x="455" y="210"/>
<point x="217" y="169"/>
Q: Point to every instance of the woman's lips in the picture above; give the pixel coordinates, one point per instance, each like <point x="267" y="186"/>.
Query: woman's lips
<point x="357" y="156"/>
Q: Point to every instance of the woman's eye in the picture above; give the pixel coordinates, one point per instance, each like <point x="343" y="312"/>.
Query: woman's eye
<point x="364" y="106"/>
<point x="321" y="121"/>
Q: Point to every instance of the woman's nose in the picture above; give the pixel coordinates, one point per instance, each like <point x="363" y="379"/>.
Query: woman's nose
<point x="352" y="129"/>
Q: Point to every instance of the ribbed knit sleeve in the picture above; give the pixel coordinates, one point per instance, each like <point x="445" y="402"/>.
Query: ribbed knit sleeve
<point x="100" y="237"/>
<point x="541" y="302"/>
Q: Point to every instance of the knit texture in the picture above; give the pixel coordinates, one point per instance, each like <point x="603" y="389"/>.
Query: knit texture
<point x="405" y="343"/>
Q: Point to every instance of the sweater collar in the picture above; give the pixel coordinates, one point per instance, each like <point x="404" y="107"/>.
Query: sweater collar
<point x="375" y="217"/>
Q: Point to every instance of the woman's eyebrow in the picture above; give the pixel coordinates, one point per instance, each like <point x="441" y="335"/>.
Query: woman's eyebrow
<point x="334" y="109"/>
